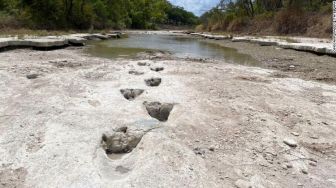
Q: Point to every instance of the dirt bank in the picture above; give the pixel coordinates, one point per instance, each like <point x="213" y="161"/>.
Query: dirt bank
<point x="284" y="23"/>
<point x="288" y="63"/>
<point x="66" y="122"/>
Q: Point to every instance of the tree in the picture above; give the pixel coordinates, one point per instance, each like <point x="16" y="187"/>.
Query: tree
<point x="178" y="16"/>
<point x="84" y="14"/>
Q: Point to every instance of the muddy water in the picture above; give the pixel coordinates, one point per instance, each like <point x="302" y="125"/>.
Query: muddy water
<point x="177" y="45"/>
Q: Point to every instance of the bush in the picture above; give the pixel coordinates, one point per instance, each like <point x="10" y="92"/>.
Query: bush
<point x="238" y="24"/>
<point x="327" y="9"/>
<point x="289" y="21"/>
<point x="8" y="21"/>
<point x="200" y="28"/>
<point x="262" y="23"/>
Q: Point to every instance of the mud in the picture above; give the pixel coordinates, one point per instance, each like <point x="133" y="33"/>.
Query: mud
<point x="135" y="72"/>
<point x="121" y="141"/>
<point x="159" y="111"/>
<point x="32" y="76"/>
<point x="131" y="94"/>
<point x="157" y="69"/>
<point x="153" y="82"/>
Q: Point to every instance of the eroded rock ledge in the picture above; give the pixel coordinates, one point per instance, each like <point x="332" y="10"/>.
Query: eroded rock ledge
<point x="313" y="45"/>
<point x="52" y="42"/>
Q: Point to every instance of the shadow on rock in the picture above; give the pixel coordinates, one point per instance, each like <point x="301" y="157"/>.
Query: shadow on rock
<point x="131" y="94"/>
<point x="159" y="111"/>
<point x="32" y="76"/>
<point x="121" y="141"/>
<point x="153" y="82"/>
<point x="137" y="73"/>
<point x="157" y="69"/>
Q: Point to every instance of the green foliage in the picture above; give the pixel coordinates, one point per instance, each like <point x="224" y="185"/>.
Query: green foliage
<point x="147" y="13"/>
<point x="2" y="5"/>
<point x="326" y="9"/>
<point x="178" y="16"/>
<point x="288" y="21"/>
<point x="98" y="14"/>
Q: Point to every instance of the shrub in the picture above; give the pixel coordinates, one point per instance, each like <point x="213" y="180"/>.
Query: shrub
<point x="326" y="9"/>
<point x="200" y="28"/>
<point x="238" y="24"/>
<point x="288" y="21"/>
<point x="8" y="21"/>
<point x="262" y="23"/>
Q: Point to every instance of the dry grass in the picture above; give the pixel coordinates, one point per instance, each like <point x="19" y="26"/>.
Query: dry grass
<point x="321" y="26"/>
<point x="23" y="32"/>
<point x="285" y="22"/>
<point x="20" y="33"/>
<point x="291" y="21"/>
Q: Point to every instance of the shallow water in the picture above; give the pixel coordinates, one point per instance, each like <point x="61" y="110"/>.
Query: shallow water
<point x="177" y="45"/>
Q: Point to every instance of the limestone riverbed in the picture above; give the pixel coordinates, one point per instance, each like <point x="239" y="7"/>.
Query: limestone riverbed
<point x="69" y="119"/>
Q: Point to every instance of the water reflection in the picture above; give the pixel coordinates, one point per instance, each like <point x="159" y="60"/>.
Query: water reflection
<point x="178" y="46"/>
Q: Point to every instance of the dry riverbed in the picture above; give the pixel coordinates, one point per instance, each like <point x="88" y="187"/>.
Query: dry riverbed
<point x="290" y="63"/>
<point x="71" y="120"/>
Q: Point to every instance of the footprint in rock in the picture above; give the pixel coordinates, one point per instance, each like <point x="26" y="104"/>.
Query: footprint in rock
<point x="94" y="103"/>
<point x="32" y="76"/>
<point x="153" y="82"/>
<point x="159" y="111"/>
<point x="131" y="94"/>
<point x="136" y="72"/>
<point x="122" y="170"/>
<point x="157" y="69"/>
<point x="121" y="141"/>
<point x="143" y="64"/>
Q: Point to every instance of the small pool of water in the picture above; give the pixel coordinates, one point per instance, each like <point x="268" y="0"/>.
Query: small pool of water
<point x="177" y="45"/>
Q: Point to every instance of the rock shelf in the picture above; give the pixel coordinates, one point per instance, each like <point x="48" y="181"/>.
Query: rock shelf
<point x="52" y="42"/>
<point x="313" y="45"/>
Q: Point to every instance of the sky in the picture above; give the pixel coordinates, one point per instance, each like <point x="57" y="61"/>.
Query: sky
<point x="198" y="7"/>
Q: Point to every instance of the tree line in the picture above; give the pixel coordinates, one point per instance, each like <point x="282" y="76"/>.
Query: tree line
<point x="285" y="16"/>
<point x="97" y="14"/>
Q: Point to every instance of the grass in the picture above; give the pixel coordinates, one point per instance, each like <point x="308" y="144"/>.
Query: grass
<point x="20" y="33"/>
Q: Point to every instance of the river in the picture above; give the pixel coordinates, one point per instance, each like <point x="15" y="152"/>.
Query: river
<point x="179" y="46"/>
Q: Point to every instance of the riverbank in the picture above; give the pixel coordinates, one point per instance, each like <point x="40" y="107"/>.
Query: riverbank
<point x="230" y="125"/>
<point x="52" y="42"/>
<point x="288" y="63"/>
<point x="314" y="45"/>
